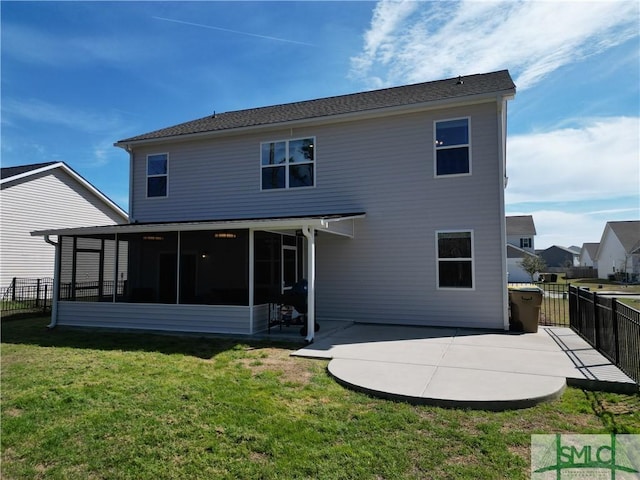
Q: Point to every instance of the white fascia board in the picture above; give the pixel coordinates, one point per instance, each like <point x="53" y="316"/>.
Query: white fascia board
<point x="31" y="172"/>
<point x="321" y="223"/>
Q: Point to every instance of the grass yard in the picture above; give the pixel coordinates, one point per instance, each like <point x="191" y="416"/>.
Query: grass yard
<point x="103" y="405"/>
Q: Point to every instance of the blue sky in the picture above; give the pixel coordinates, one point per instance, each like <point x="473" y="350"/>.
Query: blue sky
<point x="78" y="76"/>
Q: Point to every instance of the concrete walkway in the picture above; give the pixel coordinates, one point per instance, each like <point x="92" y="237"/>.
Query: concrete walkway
<point x="464" y="368"/>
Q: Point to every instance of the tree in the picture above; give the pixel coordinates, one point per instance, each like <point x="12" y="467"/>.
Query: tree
<point x="532" y="264"/>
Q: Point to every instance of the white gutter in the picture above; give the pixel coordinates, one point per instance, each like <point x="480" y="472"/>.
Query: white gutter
<point x="310" y="233"/>
<point x="56" y="282"/>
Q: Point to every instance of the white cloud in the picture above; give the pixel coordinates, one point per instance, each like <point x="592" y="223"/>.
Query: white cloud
<point x="596" y="160"/>
<point x="419" y="41"/>
<point x="46" y="112"/>
<point x="31" y="45"/>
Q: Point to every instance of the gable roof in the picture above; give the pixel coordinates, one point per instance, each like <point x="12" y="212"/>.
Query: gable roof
<point x="591" y="248"/>
<point x="520" y="225"/>
<point x="628" y="232"/>
<point x="515" y="252"/>
<point x="375" y="100"/>
<point x="8" y="172"/>
<point x="11" y="174"/>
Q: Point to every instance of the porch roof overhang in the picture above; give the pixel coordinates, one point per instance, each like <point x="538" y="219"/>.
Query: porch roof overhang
<point x="338" y="224"/>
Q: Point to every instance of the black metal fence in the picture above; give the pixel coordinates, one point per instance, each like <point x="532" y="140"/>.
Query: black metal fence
<point x="610" y="326"/>
<point x="27" y="295"/>
<point x="554" y="310"/>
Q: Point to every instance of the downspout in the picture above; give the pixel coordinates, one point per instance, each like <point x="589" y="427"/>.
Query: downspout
<point x="56" y="282"/>
<point x="310" y="234"/>
<point x="502" y="162"/>
<point x="130" y="151"/>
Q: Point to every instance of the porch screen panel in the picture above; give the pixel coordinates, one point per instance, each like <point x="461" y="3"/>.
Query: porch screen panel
<point x="214" y="267"/>
<point x="150" y="272"/>
<point x="268" y="266"/>
<point x="66" y="268"/>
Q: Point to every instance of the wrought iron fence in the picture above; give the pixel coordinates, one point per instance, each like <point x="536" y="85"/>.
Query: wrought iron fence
<point x="610" y="326"/>
<point x="27" y="295"/>
<point x="554" y="310"/>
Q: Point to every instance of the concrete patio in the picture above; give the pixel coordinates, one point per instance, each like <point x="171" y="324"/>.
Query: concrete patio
<point x="465" y="368"/>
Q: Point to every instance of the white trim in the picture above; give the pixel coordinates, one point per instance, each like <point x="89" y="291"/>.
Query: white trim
<point x="68" y="170"/>
<point x="473" y="261"/>
<point x="320" y="222"/>
<point x="147" y="176"/>
<point x="436" y="149"/>
<point x="287" y="164"/>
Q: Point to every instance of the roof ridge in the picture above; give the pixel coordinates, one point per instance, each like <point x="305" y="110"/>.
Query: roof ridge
<point x="356" y="102"/>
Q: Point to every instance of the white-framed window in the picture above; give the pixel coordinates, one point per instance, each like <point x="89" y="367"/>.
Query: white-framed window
<point x="287" y="163"/>
<point x="454" y="254"/>
<point x="157" y="175"/>
<point x="525" y="243"/>
<point x="452" y="139"/>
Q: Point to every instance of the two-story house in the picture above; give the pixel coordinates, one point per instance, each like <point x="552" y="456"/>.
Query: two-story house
<point x="521" y="232"/>
<point x="390" y="203"/>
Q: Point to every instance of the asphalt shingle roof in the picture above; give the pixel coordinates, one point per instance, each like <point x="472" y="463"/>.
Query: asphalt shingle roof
<point x="7" y="172"/>
<point x="344" y="104"/>
<point x="628" y="232"/>
<point x="520" y="225"/>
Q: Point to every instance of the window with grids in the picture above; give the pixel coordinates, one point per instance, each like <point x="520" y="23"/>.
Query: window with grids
<point x="453" y="147"/>
<point x="525" y="243"/>
<point x="287" y="164"/>
<point x="455" y="259"/>
<point x="157" y="175"/>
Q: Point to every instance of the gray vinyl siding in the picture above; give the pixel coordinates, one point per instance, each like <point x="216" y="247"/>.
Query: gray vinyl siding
<point x="176" y="318"/>
<point x="384" y="167"/>
<point x="48" y="200"/>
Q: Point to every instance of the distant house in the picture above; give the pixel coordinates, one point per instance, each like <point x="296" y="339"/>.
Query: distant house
<point x="619" y="251"/>
<point x="588" y="255"/>
<point x="389" y="203"/>
<point x="521" y="233"/>
<point x="43" y="195"/>
<point x="559" y="258"/>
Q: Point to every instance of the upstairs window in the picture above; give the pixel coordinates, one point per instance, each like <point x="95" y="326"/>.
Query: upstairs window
<point x="455" y="259"/>
<point x="453" y="147"/>
<point x="525" y="243"/>
<point x="157" y="175"/>
<point x="287" y="164"/>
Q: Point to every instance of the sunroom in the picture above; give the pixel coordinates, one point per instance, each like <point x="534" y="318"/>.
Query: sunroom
<point x="210" y="277"/>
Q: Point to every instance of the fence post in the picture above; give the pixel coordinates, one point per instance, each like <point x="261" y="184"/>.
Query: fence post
<point x="37" y="292"/>
<point x="596" y="318"/>
<point x="13" y="289"/>
<point x="614" y="319"/>
<point x="44" y="303"/>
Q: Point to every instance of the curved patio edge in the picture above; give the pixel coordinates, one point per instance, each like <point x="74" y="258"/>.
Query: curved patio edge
<point x="446" y="387"/>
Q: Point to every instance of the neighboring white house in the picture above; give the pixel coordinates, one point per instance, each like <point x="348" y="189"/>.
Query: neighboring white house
<point x="390" y="203"/>
<point x="44" y="195"/>
<point x="521" y="232"/>
<point x="619" y="251"/>
<point x="588" y="255"/>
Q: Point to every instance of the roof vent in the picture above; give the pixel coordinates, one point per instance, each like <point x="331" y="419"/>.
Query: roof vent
<point x="460" y="81"/>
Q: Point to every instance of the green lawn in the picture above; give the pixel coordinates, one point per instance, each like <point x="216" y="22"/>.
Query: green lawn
<point x="96" y="405"/>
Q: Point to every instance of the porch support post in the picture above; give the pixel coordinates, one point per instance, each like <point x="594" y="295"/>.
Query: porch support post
<point x="56" y="280"/>
<point x="310" y="233"/>
<point x="251" y="280"/>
